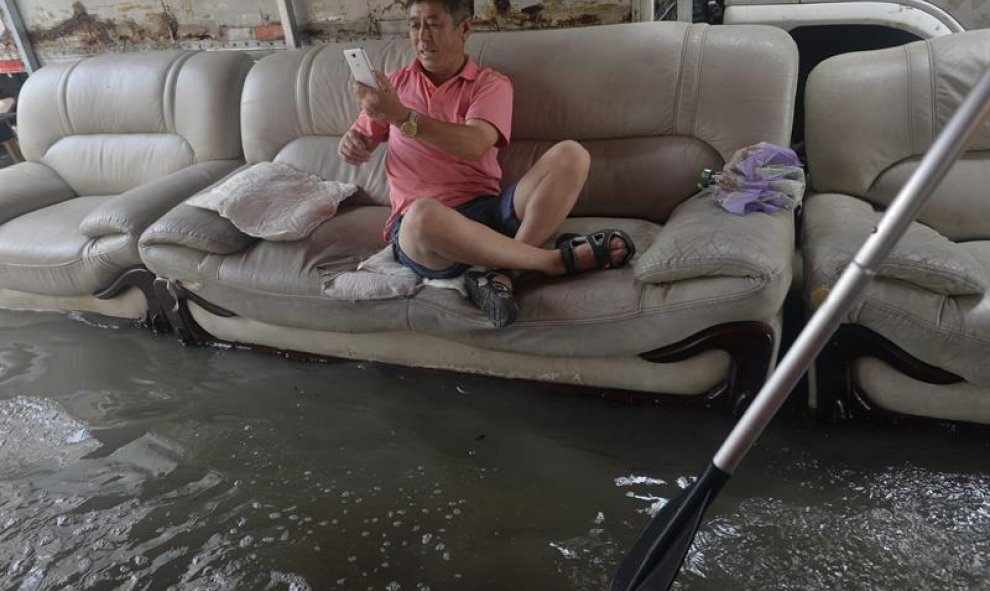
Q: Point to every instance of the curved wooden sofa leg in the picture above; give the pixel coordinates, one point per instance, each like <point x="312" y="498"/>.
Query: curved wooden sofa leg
<point x="143" y="279"/>
<point x="837" y="397"/>
<point x="174" y="300"/>
<point x="750" y="347"/>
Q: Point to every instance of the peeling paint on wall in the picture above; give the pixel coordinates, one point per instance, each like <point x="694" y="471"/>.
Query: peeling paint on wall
<point x="507" y="15"/>
<point x="323" y="21"/>
<point x="9" y="57"/>
<point x="61" y="29"/>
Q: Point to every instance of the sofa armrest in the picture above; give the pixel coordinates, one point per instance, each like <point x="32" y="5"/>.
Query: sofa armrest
<point x="134" y="210"/>
<point x="837" y="225"/>
<point x="28" y="186"/>
<point x="198" y="229"/>
<point x="701" y="239"/>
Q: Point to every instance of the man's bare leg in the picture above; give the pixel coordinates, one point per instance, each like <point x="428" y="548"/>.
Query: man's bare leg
<point x="436" y="236"/>
<point x="546" y="194"/>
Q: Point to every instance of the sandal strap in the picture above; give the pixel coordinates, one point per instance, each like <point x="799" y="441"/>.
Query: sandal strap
<point x="599" y="242"/>
<point x="599" y="247"/>
<point x="567" y="254"/>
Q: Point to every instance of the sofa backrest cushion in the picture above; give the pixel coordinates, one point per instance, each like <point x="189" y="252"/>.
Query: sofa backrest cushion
<point x="871" y="116"/>
<point x="654" y="103"/>
<point x="109" y="123"/>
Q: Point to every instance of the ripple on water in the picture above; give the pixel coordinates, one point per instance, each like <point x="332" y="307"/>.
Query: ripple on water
<point x="69" y="520"/>
<point x="35" y="431"/>
<point x="901" y="529"/>
<point x="22" y="362"/>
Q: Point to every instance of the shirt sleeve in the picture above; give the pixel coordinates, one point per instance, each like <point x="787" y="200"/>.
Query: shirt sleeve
<point x="368" y="126"/>
<point x="492" y="102"/>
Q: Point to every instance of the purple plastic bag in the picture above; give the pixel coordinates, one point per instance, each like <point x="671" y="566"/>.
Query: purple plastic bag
<point x="764" y="177"/>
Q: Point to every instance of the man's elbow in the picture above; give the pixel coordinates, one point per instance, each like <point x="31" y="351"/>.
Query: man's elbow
<point x="477" y="149"/>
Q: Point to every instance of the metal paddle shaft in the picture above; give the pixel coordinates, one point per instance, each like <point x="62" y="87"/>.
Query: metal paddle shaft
<point x="655" y="559"/>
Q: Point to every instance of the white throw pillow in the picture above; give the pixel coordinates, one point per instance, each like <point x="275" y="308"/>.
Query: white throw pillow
<point x="275" y="201"/>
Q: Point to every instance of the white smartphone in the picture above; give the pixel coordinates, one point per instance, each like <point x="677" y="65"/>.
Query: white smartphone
<point x="360" y="65"/>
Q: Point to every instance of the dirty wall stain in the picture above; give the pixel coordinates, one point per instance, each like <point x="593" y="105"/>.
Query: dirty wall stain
<point x="59" y="29"/>
<point x="84" y="32"/>
<point x="62" y="29"/>
<point x="504" y="15"/>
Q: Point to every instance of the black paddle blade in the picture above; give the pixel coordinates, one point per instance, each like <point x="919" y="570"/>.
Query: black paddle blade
<point x="655" y="559"/>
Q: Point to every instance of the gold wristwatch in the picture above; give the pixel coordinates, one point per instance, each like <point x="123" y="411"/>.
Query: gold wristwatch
<point x="410" y="127"/>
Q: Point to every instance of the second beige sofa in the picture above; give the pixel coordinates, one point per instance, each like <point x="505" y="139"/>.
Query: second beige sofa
<point x="918" y="342"/>
<point x="696" y="315"/>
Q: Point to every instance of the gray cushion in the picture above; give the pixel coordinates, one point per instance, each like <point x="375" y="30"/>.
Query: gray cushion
<point x="702" y="240"/>
<point x="836" y="226"/>
<point x="198" y="229"/>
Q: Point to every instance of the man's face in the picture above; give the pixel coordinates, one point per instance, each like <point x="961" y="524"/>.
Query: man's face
<point x="436" y="39"/>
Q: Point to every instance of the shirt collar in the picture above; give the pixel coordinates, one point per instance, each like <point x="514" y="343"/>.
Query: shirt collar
<point x="469" y="72"/>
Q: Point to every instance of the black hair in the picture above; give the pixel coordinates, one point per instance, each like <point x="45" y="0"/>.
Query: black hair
<point x="460" y="10"/>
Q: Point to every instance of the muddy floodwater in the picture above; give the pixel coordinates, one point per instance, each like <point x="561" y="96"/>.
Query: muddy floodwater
<point x="130" y="462"/>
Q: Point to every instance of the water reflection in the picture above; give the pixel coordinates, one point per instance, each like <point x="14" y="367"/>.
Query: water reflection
<point x="130" y="462"/>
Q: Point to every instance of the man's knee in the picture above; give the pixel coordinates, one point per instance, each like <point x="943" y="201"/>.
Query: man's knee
<point x="419" y="217"/>
<point x="571" y="156"/>
<point x="417" y="222"/>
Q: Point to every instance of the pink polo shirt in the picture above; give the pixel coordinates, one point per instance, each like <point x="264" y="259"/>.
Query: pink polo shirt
<point x="417" y="170"/>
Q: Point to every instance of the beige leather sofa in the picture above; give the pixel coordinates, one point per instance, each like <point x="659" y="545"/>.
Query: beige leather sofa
<point x="112" y="143"/>
<point x="918" y="342"/>
<point x="698" y="312"/>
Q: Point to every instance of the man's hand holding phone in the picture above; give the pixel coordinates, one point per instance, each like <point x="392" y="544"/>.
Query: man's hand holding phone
<point x="381" y="104"/>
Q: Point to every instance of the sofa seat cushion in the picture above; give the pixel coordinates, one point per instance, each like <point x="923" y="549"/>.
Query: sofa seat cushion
<point x="44" y="252"/>
<point x="602" y="314"/>
<point x="596" y="314"/>
<point x="950" y="332"/>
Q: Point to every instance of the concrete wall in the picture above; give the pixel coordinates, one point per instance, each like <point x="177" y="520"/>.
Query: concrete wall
<point x="64" y="29"/>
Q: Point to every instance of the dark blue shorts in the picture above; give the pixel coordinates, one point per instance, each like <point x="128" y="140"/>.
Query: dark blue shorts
<point x="494" y="211"/>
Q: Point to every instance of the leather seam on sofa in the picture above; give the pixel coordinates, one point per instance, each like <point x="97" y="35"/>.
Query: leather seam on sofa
<point x="63" y="100"/>
<point x="169" y="94"/>
<point x="696" y="99"/>
<point x="933" y="67"/>
<point x="304" y="84"/>
<point x="62" y="264"/>
<point x="757" y="272"/>
<point x="900" y="314"/>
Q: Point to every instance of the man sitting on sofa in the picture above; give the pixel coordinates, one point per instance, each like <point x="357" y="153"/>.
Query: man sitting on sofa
<point x="450" y="118"/>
